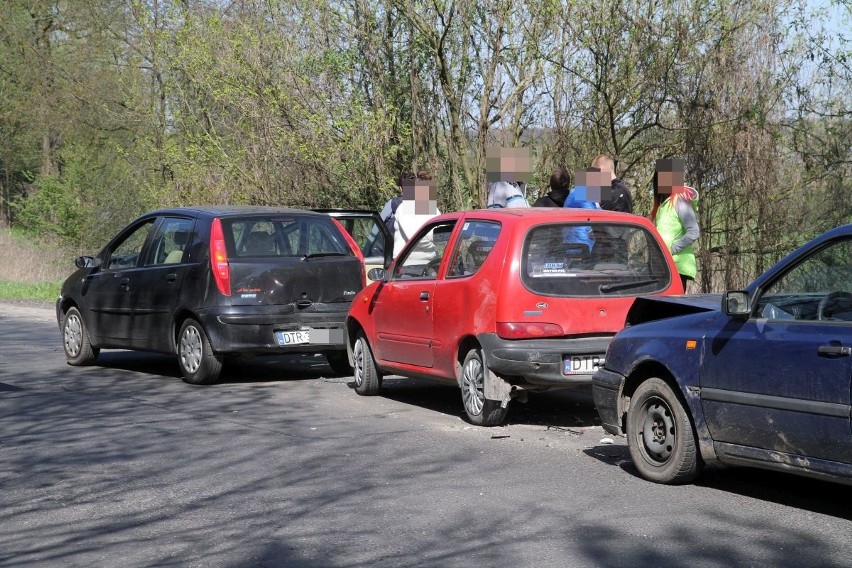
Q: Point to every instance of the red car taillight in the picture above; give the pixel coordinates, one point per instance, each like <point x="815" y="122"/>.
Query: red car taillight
<point x="219" y="258"/>
<point x="528" y="330"/>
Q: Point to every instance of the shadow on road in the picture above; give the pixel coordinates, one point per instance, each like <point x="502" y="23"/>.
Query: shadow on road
<point x="813" y="495"/>
<point x="565" y="409"/>
<point x="787" y="489"/>
<point x="235" y="370"/>
<point x="106" y="467"/>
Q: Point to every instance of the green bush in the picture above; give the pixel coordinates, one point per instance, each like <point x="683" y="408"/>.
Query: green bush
<point x="51" y="209"/>
<point x="85" y="204"/>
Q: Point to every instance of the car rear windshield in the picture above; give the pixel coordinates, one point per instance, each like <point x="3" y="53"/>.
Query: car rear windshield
<point x="294" y="235"/>
<point x="593" y="260"/>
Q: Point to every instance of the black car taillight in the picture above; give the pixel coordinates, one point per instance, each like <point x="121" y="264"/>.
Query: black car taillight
<point x="219" y="258"/>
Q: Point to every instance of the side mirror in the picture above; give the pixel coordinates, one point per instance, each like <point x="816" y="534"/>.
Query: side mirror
<point x="87" y="262"/>
<point x="376" y="274"/>
<point x="736" y="303"/>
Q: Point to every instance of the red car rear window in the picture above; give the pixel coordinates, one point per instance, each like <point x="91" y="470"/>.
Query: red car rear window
<point x="593" y="260"/>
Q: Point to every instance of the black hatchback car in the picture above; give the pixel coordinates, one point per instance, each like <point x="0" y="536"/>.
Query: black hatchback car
<point x="204" y="282"/>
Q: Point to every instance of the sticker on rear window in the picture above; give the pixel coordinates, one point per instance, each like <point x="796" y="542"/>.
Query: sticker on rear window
<point x="552" y="268"/>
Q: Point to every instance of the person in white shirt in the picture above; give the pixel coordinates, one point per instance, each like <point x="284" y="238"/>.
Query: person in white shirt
<point x="505" y="194"/>
<point x="419" y="204"/>
<point x="508" y="171"/>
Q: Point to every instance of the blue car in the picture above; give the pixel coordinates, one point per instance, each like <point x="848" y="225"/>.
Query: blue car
<point x="759" y="377"/>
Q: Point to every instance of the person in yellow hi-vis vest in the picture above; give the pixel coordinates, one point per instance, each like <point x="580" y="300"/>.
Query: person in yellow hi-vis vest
<point x="673" y="213"/>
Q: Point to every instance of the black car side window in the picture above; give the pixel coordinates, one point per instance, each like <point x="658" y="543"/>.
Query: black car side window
<point x="171" y="240"/>
<point x="819" y="288"/>
<point x="125" y="253"/>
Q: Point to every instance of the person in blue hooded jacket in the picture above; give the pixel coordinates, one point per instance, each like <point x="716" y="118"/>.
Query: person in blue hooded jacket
<point x="589" y="185"/>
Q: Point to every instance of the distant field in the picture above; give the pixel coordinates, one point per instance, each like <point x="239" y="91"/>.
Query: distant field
<point x="30" y="269"/>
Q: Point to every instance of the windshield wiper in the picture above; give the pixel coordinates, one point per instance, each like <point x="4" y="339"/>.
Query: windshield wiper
<point x="625" y="285"/>
<point x="322" y="254"/>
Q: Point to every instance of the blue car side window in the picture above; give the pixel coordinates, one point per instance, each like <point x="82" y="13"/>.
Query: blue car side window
<point x="817" y="289"/>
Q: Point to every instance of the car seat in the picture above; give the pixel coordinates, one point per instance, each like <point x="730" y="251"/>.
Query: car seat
<point x="176" y="256"/>
<point x="260" y="243"/>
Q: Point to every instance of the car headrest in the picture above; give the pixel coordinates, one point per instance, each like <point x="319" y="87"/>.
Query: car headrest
<point x="260" y="242"/>
<point x="181" y="237"/>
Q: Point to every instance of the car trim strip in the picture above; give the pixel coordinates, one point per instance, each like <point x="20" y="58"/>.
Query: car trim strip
<point x="776" y="402"/>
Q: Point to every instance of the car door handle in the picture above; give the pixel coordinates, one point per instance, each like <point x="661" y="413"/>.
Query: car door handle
<point x="124" y="282"/>
<point x="171" y="277"/>
<point x="841" y="350"/>
<point x="424" y="296"/>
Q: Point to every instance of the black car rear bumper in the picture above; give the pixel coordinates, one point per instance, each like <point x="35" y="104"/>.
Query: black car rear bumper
<point x="540" y="362"/>
<point x="255" y="332"/>
<point x="606" y="392"/>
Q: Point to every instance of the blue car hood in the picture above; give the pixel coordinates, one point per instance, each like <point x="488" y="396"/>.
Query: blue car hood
<point x="652" y="308"/>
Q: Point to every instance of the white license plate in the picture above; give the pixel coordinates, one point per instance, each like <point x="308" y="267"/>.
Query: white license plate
<point x="285" y="338"/>
<point x="582" y="364"/>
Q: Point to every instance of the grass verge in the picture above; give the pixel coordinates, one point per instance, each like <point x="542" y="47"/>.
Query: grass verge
<point x="31" y="267"/>
<point x="46" y="291"/>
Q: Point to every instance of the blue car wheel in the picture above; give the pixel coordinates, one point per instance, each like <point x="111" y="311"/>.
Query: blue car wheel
<point x="660" y="435"/>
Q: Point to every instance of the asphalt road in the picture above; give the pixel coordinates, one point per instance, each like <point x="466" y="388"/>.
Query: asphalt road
<point x="282" y="464"/>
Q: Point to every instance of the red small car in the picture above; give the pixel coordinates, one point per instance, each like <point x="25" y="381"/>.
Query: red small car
<point x="506" y="301"/>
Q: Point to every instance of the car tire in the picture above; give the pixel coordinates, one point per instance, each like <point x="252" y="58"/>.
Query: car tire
<point x="660" y="435"/>
<point x="75" y="340"/>
<point x="368" y="379"/>
<point x="198" y="363"/>
<point x="339" y="362"/>
<point x="480" y="410"/>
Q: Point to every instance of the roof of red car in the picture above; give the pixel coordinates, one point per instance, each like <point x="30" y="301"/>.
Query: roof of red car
<point x="549" y="213"/>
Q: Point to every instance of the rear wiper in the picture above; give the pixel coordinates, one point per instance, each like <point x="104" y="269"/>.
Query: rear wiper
<point x="322" y="254"/>
<point x="625" y="285"/>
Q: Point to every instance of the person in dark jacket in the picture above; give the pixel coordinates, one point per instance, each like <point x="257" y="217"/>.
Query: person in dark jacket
<point x="620" y="198"/>
<point x="559" y="185"/>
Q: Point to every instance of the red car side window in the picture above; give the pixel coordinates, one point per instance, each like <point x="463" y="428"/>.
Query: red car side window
<point x="475" y="242"/>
